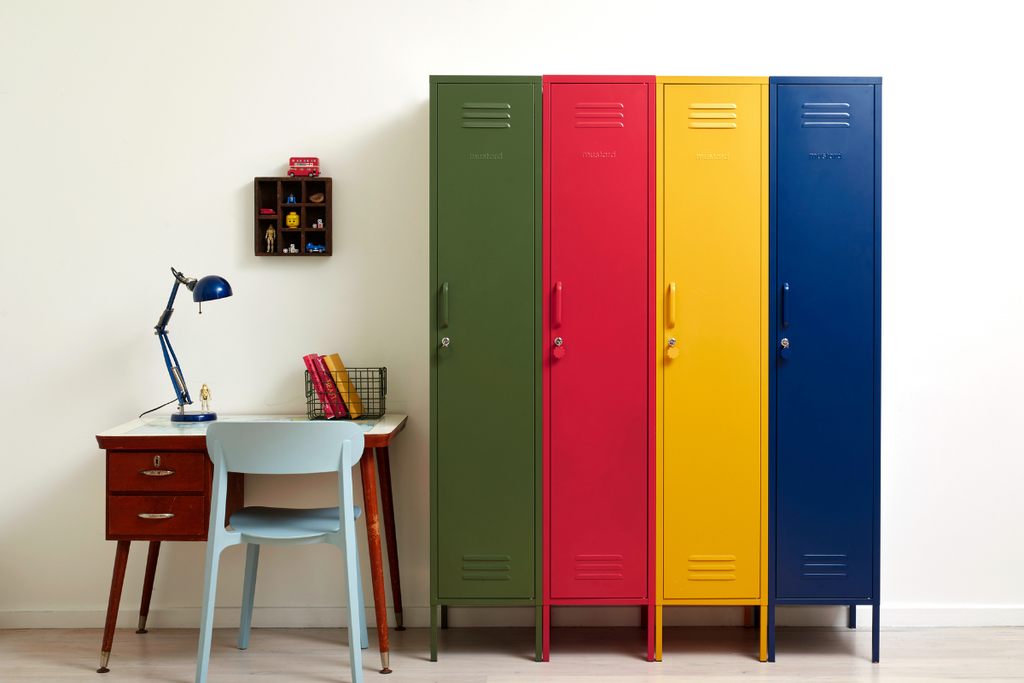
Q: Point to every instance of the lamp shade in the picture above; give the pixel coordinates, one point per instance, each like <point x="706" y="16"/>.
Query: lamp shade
<point x="211" y="287"/>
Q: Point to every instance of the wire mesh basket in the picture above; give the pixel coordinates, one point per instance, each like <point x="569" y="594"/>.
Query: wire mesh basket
<point x="363" y="392"/>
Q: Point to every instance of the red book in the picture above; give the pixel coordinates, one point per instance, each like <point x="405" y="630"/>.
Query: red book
<point x="326" y="391"/>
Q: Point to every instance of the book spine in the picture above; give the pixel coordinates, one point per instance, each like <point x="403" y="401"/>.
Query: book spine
<point x="327" y="380"/>
<point x="318" y="386"/>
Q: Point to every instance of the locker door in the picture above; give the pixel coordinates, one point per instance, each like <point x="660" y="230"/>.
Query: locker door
<point x="486" y="387"/>
<point x="824" y="426"/>
<point x="599" y="254"/>
<point x="712" y="444"/>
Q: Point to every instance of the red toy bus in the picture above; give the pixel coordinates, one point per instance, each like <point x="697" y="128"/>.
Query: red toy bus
<point x="307" y="166"/>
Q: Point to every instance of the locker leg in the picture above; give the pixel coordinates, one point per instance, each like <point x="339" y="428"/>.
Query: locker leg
<point x="643" y="616"/>
<point x="648" y="615"/>
<point x="657" y="633"/>
<point x="546" y="654"/>
<point x="433" y="633"/>
<point x="748" y="616"/>
<point x="762" y="634"/>
<point x="876" y="623"/>
<point x="538" y="634"/>
<point x="852" y="621"/>
<point x="444" y="616"/>
<point x="770" y="625"/>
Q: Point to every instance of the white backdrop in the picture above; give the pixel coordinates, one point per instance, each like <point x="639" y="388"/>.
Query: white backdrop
<point x="129" y="137"/>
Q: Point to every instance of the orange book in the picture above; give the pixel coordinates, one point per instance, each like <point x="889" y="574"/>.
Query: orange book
<point x="344" y="384"/>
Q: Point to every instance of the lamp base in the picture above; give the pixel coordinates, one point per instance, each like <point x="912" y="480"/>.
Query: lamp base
<point x="193" y="417"/>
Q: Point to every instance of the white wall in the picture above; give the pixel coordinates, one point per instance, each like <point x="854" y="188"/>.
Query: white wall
<point x="129" y="136"/>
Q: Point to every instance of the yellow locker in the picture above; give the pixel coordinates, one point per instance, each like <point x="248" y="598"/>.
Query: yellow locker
<point x="713" y="369"/>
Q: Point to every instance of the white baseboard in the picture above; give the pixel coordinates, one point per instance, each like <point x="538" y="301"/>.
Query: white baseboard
<point x="561" y="616"/>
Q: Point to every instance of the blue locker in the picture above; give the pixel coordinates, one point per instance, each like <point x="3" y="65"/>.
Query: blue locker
<point x="825" y="186"/>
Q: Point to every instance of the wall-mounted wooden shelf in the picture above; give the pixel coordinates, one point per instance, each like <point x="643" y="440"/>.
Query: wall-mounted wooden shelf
<point x="271" y="193"/>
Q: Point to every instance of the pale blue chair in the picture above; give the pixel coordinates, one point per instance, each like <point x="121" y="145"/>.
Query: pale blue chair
<point x="282" y="448"/>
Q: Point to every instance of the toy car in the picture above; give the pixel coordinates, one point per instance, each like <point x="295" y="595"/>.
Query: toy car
<point x="314" y="248"/>
<point x="304" y="166"/>
<point x="267" y="212"/>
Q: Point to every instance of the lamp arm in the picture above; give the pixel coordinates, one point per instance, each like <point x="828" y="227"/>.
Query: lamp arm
<point x="177" y="379"/>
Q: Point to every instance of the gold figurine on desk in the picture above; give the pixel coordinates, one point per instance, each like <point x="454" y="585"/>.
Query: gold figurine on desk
<point x="204" y="399"/>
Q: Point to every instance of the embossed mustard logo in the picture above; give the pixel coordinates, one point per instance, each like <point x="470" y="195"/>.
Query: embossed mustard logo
<point x="825" y="155"/>
<point x="713" y="157"/>
<point x="599" y="155"/>
<point x="486" y="155"/>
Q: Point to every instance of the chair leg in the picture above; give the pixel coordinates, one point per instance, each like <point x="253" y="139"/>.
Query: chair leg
<point x="252" y="563"/>
<point x="352" y="590"/>
<point x="209" y="600"/>
<point x="364" y="638"/>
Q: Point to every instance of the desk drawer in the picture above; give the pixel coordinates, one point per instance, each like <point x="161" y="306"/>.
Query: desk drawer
<point x="172" y="471"/>
<point x="188" y="516"/>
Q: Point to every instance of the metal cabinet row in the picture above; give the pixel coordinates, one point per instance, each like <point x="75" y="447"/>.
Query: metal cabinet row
<point x="655" y="344"/>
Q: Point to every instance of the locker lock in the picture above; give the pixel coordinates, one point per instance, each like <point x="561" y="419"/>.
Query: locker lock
<point x="559" y="352"/>
<point x="445" y="351"/>
<point x="785" y="350"/>
<point x="672" y="352"/>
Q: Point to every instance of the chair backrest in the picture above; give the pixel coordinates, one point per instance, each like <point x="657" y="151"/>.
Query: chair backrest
<point x="284" y="447"/>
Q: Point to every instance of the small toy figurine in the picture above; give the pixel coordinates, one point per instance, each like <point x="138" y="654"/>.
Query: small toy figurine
<point x="290" y="199"/>
<point x="267" y="212"/>
<point x="204" y="397"/>
<point x="318" y="197"/>
<point x="292" y="220"/>
<point x="307" y="166"/>
<point x="271" y="235"/>
<point x="319" y="223"/>
<point x="292" y="249"/>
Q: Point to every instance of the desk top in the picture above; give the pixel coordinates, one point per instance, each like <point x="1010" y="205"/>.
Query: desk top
<point x="160" y="432"/>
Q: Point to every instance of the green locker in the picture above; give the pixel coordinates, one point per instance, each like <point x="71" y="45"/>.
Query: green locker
<point x="485" y="369"/>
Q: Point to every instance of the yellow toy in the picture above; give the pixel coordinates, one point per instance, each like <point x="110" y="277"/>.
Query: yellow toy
<point x="292" y="220"/>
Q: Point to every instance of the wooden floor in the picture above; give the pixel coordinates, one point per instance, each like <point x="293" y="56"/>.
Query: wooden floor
<point x="498" y="655"/>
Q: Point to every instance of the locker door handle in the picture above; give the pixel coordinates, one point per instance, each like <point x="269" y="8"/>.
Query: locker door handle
<point x="671" y="322"/>
<point x="785" y="305"/>
<point x="444" y="305"/>
<point x="557" y="307"/>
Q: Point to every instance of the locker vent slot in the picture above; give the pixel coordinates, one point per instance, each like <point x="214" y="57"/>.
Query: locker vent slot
<point x="824" y="567"/>
<point x="712" y="115"/>
<point x="486" y="115"/>
<point x="599" y="567"/>
<point x="600" y="115"/>
<point x="712" y="568"/>
<point x="826" y="115"/>
<point x="486" y="568"/>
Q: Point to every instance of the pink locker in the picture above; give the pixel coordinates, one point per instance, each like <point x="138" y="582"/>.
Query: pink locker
<point x="598" y="327"/>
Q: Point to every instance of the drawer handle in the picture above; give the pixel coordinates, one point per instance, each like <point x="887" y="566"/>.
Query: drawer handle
<point x="157" y="473"/>
<point x="156" y="515"/>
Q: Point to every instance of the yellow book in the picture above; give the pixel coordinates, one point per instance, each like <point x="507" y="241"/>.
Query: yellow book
<point x="344" y="384"/>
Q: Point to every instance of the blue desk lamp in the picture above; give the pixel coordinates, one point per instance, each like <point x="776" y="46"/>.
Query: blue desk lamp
<point x="207" y="289"/>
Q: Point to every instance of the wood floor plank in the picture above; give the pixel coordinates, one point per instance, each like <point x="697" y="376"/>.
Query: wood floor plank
<point x="505" y="655"/>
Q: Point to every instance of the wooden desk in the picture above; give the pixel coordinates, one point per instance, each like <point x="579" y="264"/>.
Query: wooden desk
<point x="156" y="468"/>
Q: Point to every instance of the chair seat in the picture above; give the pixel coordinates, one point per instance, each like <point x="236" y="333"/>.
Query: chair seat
<point x="287" y="523"/>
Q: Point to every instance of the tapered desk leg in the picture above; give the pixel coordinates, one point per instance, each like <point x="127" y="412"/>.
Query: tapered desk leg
<point x="387" y="503"/>
<point x="147" y="585"/>
<point x="380" y="607"/>
<point x="116" y="583"/>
